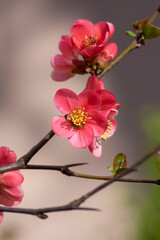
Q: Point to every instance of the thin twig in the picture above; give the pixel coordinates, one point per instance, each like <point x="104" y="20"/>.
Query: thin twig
<point x="132" y="46"/>
<point x="41" y="212"/>
<point x="74" y="205"/>
<point x="64" y="169"/>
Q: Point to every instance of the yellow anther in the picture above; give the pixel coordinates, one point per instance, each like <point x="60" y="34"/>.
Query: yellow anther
<point x="87" y="41"/>
<point x="107" y="133"/>
<point x="78" y="117"/>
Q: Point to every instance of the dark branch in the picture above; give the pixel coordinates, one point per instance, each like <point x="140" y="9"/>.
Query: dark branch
<point x="41" y="212"/>
<point x="74" y="205"/>
<point x="21" y="162"/>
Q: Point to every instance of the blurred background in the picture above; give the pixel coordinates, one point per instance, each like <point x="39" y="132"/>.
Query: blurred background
<point x="29" y="36"/>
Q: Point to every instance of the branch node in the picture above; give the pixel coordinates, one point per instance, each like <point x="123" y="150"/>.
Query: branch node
<point x="66" y="171"/>
<point x="41" y="215"/>
<point x="158" y="181"/>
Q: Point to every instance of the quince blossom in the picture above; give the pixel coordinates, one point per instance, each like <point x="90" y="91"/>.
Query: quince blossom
<point x="85" y="50"/>
<point x="109" y="108"/>
<point x="89" y="39"/>
<point x="11" y="193"/>
<point x="106" y="55"/>
<point x="82" y="120"/>
<point x="108" y="100"/>
<point x="95" y="147"/>
<point x="66" y="64"/>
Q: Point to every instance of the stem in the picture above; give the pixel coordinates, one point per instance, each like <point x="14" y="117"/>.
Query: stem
<point x="64" y="169"/>
<point x="117" y="60"/>
<point x="132" y="46"/>
<point x="117" y="177"/>
<point x="40" y="212"/>
<point x="22" y="161"/>
<point x="157" y="181"/>
<point x="38" y="146"/>
<point x="74" y="205"/>
<point x="154" y="15"/>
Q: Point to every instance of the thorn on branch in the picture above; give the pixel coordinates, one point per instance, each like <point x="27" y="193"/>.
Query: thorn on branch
<point x="75" y="164"/>
<point x="89" y="209"/>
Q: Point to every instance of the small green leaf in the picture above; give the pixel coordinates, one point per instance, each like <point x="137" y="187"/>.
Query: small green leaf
<point x="112" y="170"/>
<point x="158" y="160"/>
<point x="150" y="31"/>
<point x="119" y="162"/>
<point x="130" y="33"/>
<point x="138" y="25"/>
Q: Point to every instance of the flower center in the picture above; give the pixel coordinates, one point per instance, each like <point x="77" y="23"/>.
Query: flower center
<point x="89" y="40"/>
<point x="78" y="117"/>
<point x="107" y="133"/>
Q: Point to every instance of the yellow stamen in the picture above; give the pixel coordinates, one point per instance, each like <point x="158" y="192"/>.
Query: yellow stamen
<point x="107" y="133"/>
<point x="87" y="41"/>
<point x="78" y="117"/>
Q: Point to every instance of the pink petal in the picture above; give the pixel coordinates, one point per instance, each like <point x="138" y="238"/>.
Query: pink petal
<point x="7" y="156"/>
<point x="93" y="83"/>
<point x="110" y="50"/>
<point x="99" y="30"/>
<point x="82" y="138"/>
<point x="65" y="100"/>
<point x="61" y="76"/>
<point x="61" y="63"/>
<point x="110" y="113"/>
<point x="5" y="200"/>
<point x="91" y="50"/>
<point x="78" y="33"/>
<point x="95" y="147"/>
<point x="107" y="99"/>
<point x="11" y="179"/>
<point x="101" y="84"/>
<point x="62" y="127"/>
<point x="84" y="22"/>
<point x="79" y="30"/>
<point x="1" y="216"/>
<point x="111" y="29"/>
<point x="89" y="99"/>
<point x="98" y="122"/>
<point x="14" y="194"/>
<point x="118" y="105"/>
<point x="16" y="203"/>
<point x="66" y="48"/>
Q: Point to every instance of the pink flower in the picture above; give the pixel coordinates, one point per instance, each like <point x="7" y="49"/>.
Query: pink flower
<point x="109" y="108"/>
<point x="106" y="55"/>
<point x="66" y="65"/>
<point x="95" y="147"/>
<point x="108" y="100"/>
<point x="82" y="120"/>
<point x="89" y="39"/>
<point x="11" y="192"/>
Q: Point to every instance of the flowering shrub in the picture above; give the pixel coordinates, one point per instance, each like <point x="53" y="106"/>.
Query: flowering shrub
<point x="87" y="118"/>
